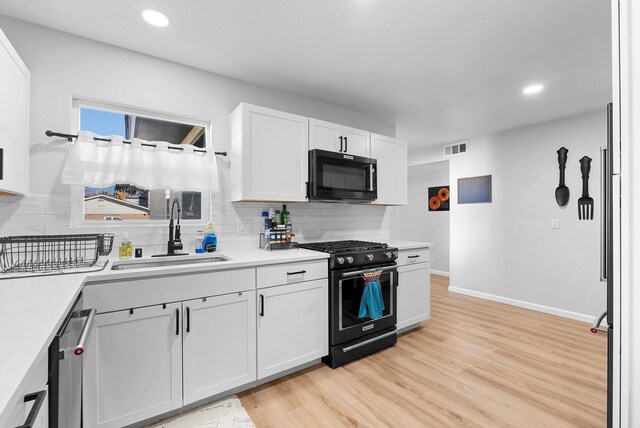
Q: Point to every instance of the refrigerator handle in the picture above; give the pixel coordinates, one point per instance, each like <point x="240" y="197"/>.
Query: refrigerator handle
<point x="604" y="200"/>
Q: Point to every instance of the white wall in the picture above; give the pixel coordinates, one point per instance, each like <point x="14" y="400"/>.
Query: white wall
<point x="414" y="222"/>
<point x="64" y="66"/>
<point x="507" y="249"/>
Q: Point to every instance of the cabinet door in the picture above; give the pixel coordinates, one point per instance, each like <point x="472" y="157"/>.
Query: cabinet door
<point x="324" y="135"/>
<point x="292" y="326"/>
<point x="357" y="142"/>
<point x="133" y="366"/>
<point x="391" y="155"/>
<point x="413" y="294"/>
<point x="219" y="345"/>
<point x="274" y="158"/>
<point x="14" y="120"/>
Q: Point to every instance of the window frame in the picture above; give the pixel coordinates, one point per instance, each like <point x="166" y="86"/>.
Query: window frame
<point x="77" y="192"/>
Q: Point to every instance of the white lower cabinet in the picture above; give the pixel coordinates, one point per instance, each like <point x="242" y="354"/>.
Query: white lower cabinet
<point x="219" y="345"/>
<point x="413" y="294"/>
<point x="292" y="325"/>
<point x="133" y="366"/>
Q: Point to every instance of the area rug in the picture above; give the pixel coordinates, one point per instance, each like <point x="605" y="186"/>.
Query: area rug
<point x="226" y="413"/>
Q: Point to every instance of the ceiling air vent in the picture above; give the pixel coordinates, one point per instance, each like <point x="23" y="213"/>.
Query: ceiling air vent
<point x="455" y="149"/>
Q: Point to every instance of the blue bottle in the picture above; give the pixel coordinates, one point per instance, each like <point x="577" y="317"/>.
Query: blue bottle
<point x="210" y="241"/>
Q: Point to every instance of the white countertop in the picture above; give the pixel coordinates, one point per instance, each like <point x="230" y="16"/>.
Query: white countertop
<point x="409" y="245"/>
<point x="32" y="309"/>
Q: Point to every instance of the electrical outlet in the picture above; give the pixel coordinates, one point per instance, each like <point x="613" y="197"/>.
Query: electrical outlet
<point x="554" y="223"/>
<point x="244" y="227"/>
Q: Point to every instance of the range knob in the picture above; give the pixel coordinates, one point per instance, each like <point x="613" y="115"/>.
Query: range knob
<point x="395" y="254"/>
<point x="369" y="257"/>
<point x="340" y="260"/>
<point x="388" y="254"/>
<point x="349" y="259"/>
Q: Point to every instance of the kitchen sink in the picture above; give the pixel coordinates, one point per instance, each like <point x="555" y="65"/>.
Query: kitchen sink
<point x="151" y="263"/>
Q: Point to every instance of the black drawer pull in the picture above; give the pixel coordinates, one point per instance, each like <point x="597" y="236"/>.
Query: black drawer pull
<point x="33" y="413"/>
<point x="188" y="320"/>
<point x="262" y="305"/>
<point x="177" y="322"/>
<point x="300" y="272"/>
<point x="413" y="257"/>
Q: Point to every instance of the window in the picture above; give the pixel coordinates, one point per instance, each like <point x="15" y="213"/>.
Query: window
<point x="123" y="201"/>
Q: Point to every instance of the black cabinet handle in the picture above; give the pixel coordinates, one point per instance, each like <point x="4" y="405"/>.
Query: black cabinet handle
<point x="340" y="143"/>
<point x="345" y="145"/>
<point x="413" y="257"/>
<point x="177" y="322"/>
<point x="188" y="319"/>
<point x="300" y="272"/>
<point x="33" y="413"/>
<point x="262" y="305"/>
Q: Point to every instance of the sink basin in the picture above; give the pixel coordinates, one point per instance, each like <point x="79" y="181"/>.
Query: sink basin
<point x="151" y="263"/>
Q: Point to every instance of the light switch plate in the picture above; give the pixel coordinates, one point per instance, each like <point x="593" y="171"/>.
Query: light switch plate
<point x="554" y="223"/>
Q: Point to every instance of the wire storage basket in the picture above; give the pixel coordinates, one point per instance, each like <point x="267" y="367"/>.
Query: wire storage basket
<point x="42" y="253"/>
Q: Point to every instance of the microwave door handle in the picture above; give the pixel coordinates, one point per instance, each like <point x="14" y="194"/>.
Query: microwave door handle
<point x="371" y="172"/>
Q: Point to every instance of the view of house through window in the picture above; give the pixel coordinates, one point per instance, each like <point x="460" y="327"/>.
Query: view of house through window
<point x="124" y="201"/>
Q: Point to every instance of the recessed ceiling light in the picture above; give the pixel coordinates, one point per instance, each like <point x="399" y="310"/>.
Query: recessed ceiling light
<point x="533" y="89"/>
<point x="155" y="18"/>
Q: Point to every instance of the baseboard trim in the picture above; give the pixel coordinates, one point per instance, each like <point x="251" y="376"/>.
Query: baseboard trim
<point x="526" y="305"/>
<point x="439" y="272"/>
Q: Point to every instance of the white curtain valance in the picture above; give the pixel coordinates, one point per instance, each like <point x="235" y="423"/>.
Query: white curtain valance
<point x="102" y="164"/>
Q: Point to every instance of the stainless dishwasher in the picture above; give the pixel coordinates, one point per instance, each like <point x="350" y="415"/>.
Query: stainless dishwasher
<point x="65" y="367"/>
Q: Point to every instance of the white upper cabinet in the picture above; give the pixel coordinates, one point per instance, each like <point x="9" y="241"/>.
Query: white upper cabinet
<point x="14" y="120"/>
<point x="391" y="154"/>
<point x="337" y="138"/>
<point x="269" y="155"/>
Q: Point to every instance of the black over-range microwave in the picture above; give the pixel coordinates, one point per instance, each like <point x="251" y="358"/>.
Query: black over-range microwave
<point x="341" y="177"/>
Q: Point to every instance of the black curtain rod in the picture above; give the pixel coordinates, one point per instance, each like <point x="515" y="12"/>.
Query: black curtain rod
<point x="71" y="136"/>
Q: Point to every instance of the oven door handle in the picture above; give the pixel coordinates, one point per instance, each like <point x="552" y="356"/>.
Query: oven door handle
<point x="78" y="350"/>
<point x="360" y="272"/>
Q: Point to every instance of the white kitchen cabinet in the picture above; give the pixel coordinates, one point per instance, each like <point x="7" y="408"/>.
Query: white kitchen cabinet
<point x="338" y="138"/>
<point x="219" y="345"/>
<point x="269" y="155"/>
<point x="413" y="294"/>
<point x="133" y="366"/>
<point x="391" y="154"/>
<point x="14" y="120"/>
<point x="292" y="325"/>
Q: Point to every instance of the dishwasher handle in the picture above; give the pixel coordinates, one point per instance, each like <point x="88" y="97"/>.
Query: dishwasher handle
<point x="78" y="350"/>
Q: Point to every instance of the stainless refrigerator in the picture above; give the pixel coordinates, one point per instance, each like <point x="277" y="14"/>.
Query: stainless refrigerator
<point x="607" y="270"/>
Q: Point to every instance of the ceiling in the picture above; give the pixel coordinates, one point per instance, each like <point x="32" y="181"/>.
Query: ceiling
<point x="442" y="70"/>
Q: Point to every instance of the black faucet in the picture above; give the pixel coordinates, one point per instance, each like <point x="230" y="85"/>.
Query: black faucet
<point x="174" y="243"/>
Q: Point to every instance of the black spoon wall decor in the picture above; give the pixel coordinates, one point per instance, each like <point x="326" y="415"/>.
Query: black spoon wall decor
<point x="562" y="191"/>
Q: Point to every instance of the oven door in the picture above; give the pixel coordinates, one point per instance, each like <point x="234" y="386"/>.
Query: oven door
<point x="346" y="295"/>
<point x="339" y="176"/>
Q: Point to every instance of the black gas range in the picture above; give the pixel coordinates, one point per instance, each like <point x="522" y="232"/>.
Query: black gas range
<point x="352" y="334"/>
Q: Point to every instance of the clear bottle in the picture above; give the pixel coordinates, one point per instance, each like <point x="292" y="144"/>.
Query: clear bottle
<point x="277" y="217"/>
<point x="199" y="242"/>
<point x="272" y="216"/>
<point x="126" y="247"/>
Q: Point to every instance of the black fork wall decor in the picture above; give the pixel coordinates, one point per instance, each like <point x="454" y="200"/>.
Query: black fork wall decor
<point x="585" y="203"/>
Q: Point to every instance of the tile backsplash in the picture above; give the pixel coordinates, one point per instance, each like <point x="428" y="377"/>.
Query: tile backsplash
<point x="237" y="224"/>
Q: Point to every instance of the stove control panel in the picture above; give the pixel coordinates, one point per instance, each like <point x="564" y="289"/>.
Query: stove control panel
<point x="363" y="258"/>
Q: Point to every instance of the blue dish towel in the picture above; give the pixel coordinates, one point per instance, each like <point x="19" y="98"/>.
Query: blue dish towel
<point x="371" y="304"/>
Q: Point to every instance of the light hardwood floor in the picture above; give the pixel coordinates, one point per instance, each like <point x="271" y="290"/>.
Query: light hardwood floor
<point x="474" y="363"/>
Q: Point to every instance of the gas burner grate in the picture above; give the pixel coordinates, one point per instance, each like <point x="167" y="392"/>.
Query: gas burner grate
<point x="341" y="246"/>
